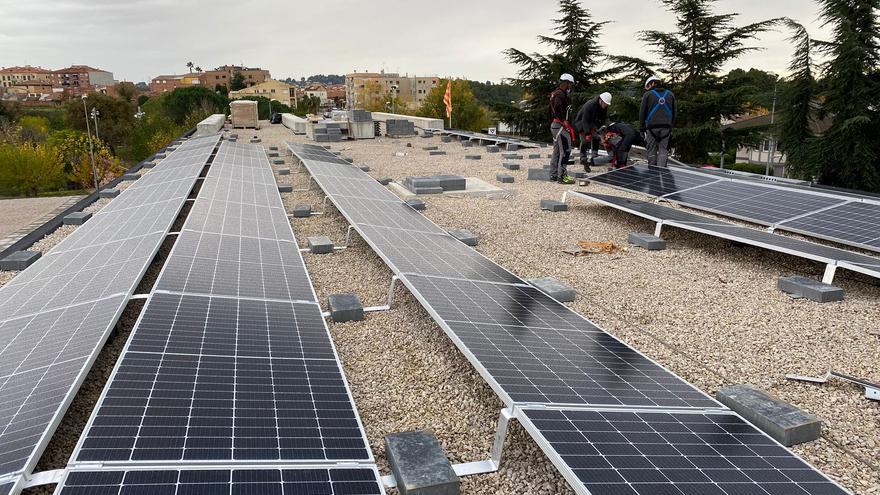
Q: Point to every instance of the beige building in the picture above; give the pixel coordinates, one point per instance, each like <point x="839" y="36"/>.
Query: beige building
<point x="412" y="89"/>
<point x="11" y="76"/>
<point x="223" y="76"/>
<point x="272" y="89"/>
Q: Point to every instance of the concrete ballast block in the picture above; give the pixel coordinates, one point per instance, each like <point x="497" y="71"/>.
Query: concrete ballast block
<point x="273" y="154"/>
<point x="416" y="204"/>
<point x="302" y="211"/>
<point x="320" y="245"/>
<point x="427" y="190"/>
<point x="493" y="149"/>
<point x="511" y="166"/>
<point x="539" y="174"/>
<point x="512" y="147"/>
<point x="76" y="218"/>
<point x="553" y="205"/>
<point x="364" y="168"/>
<point x="285" y="188"/>
<point x="647" y="241"/>
<point x="430" y="148"/>
<point x="535" y="156"/>
<point x="473" y="157"/>
<point x="384" y="181"/>
<point x="419" y="464"/>
<point x="131" y="177"/>
<point x="811" y="289"/>
<point x="277" y="162"/>
<point x="554" y="288"/>
<point x="436" y="153"/>
<point x="283" y="171"/>
<point x="512" y="156"/>
<point x="504" y="178"/>
<point x="345" y="307"/>
<point x="465" y="236"/>
<point x="108" y="193"/>
<point x="19" y="260"/>
<point x="784" y="422"/>
<point x="273" y="148"/>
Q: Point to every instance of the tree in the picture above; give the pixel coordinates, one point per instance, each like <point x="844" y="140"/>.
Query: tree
<point x="266" y="107"/>
<point x="373" y="97"/>
<point x="222" y="89"/>
<point x="190" y="65"/>
<point x="849" y="150"/>
<point x="198" y="69"/>
<point x="237" y="82"/>
<point x="576" y="50"/>
<point x="115" y="120"/>
<point x="467" y="113"/>
<point x="307" y="105"/>
<point x="182" y="102"/>
<point x="143" y="99"/>
<point x="125" y="90"/>
<point x="33" y="128"/>
<point x="795" y="129"/>
<point x="690" y="59"/>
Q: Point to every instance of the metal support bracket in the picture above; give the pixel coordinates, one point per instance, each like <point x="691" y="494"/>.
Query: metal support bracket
<point x="386" y="307"/>
<point x="872" y="390"/>
<point x="490" y="465"/>
<point x="139" y="297"/>
<point x="658" y="229"/>
<point x="308" y="186"/>
<point x="45" y="478"/>
<point x="830" y="271"/>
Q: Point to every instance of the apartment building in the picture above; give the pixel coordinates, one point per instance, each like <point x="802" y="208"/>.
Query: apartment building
<point x="81" y="79"/>
<point x="223" y="76"/>
<point x="412" y="89"/>
<point x="161" y="84"/>
<point x="274" y="90"/>
<point x="11" y="76"/>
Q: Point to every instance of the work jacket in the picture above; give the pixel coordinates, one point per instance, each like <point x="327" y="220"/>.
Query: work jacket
<point x="591" y="116"/>
<point x="658" y="110"/>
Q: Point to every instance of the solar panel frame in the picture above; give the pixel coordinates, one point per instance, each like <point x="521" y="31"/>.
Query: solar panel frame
<point x="710" y="453"/>
<point x="258" y="479"/>
<point x="824" y="221"/>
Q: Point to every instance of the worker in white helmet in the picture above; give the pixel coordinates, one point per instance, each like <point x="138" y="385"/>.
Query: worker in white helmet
<point x="592" y="115"/>
<point x="561" y="130"/>
<point x="657" y="119"/>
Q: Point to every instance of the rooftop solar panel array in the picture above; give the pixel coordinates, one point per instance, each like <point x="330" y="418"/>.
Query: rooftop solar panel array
<point x="844" y="219"/>
<point x="231" y="363"/>
<point x="775" y="242"/>
<point x="55" y="316"/>
<point x="538" y="355"/>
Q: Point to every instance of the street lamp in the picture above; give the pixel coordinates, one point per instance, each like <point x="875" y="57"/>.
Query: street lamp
<point x="394" y="91"/>
<point x="95" y="114"/>
<point x="771" y="151"/>
<point x="91" y="146"/>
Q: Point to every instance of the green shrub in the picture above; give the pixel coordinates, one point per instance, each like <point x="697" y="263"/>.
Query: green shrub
<point x="26" y="169"/>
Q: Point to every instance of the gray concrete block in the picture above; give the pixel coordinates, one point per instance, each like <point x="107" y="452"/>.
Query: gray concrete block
<point x="553" y="205"/>
<point x="430" y="148"/>
<point x="511" y="166"/>
<point x="283" y="171"/>
<point x="512" y="147"/>
<point x="159" y="156"/>
<point x="813" y="290"/>
<point x="452" y="182"/>
<point x="535" y="156"/>
<point x="493" y="149"/>
<point x="511" y="156"/>
<point x="647" y="241"/>
<point x="468" y="144"/>
<point x="416" y="204"/>
<point x="108" y="193"/>
<point x="421" y="182"/>
<point x="384" y="181"/>
<point x="285" y="188"/>
<point x="504" y="178"/>
<point x="273" y="148"/>
<point x="254" y="141"/>
<point x="302" y="211"/>
<point x="465" y="236"/>
<point x="148" y="165"/>
<point x="419" y="464"/>
<point x="277" y="162"/>
<point x="364" y="168"/>
<point x="345" y="307"/>
<point x="320" y="245"/>
<point x="348" y="159"/>
<point x="19" y="260"/>
<point x="273" y="154"/>
<point x="76" y="218"/>
<point x="427" y="190"/>
<point x="234" y="136"/>
<point x="539" y="174"/>
<point x="784" y="422"/>
<point x="554" y="288"/>
<point x="436" y="153"/>
<point x="473" y="157"/>
<point x="131" y="177"/>
<point x="445" y="139"/>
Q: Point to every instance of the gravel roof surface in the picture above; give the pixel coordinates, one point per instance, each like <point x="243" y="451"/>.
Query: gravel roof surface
<point x="706" y="308"/>
<point x="17" y="213"/>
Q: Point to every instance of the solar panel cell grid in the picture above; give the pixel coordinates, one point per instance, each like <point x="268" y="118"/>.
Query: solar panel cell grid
<point x="384" y="214"/>
<point x="223" y="482"/>
<point x="237" y="219"/>
<point x="655" y="181"/>
<point x="853" y="223"/>
<point x="646" y="453"/>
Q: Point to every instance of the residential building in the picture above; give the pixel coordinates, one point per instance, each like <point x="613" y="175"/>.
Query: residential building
<point x="32" y="90"/>
<point x="336" y="94"/>
<point x="81" y="79"/>
<point x="223" y="76"/>
<point x="272" y="89"/>
<point x="413" y="90"/>
<point x="10" y="76"/>
<point x="317" y="91"/>
<point x="161" y="84"/>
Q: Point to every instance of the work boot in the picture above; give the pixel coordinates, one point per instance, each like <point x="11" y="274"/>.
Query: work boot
<point x="553" y="178"/>
<point x="566" y="179"/>
<point x="587" y="168"/>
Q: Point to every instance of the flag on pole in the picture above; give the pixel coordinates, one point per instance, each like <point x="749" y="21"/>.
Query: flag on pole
<point x="447" y="100"/>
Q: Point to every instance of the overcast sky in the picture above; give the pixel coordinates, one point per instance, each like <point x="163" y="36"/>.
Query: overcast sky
<point x="138" y="39"/>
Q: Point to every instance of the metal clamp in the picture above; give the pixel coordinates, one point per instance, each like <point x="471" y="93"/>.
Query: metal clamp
<point x="872" y="390"/>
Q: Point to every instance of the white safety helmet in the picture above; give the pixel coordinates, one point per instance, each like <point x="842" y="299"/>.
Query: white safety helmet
<point x="606" y="97"/>
<point x="567" y="78"/>
<point x="650" y="80"/>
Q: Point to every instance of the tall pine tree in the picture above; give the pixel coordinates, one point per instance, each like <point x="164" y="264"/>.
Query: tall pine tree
<point x="849" y="150"/>
<point x="691" y="58"/>
<point x="795" y="127"/>
<point x="576" y="50"/>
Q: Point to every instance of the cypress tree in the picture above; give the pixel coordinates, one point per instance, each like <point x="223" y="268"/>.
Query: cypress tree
<point x="798" y="95"/>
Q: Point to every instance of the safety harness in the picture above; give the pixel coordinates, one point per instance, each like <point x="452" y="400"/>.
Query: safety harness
<point x="661" y="103"/>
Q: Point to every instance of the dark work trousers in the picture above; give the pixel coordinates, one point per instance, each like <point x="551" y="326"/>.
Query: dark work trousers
<point x="561" y="151"/>
<point x="658" y="146"/>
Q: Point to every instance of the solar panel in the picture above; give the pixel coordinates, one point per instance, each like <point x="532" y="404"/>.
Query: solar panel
<point x="220" y="481"/>
<point x="654" y="181"/>
<point x="397" y="215"/>
<point x="239" y="219"/>
<point x="433" y="254"/>
<point x="853" y="223"/>
<point x="6" y="488"/>
<point x="237" y="266"/>
<point x="681" y="453"/>
<point x="539" y="351"/>
<point x="757" y="203"/>
<point x="367" y="188"/>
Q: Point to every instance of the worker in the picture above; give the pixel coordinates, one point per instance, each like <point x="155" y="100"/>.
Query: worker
<point x="592" y="115"/>
<point x="618" y="139"/>
<point x="657" y="119"/>
<point x="561" y="130"/>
